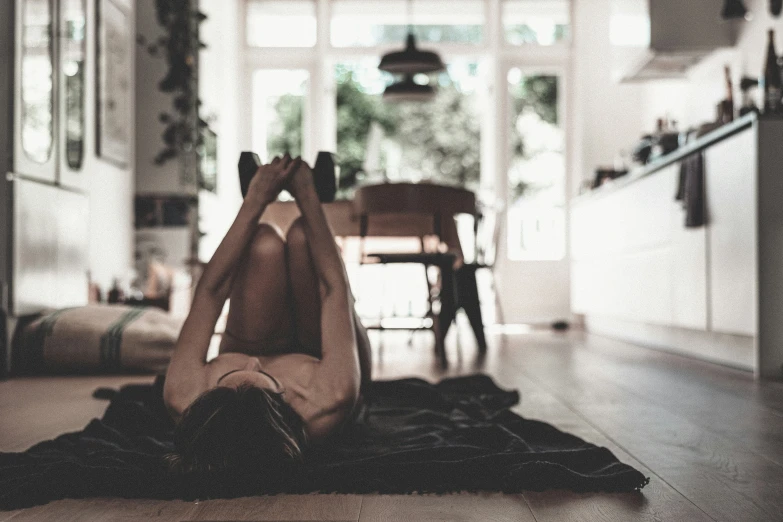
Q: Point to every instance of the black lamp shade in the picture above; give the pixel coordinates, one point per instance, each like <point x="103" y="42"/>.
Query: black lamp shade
<point x="733" y="9"/>
<point x="411" y="60"/>
<point x="408" y="90"/>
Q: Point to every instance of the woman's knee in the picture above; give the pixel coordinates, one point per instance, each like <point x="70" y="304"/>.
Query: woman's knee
<point x="268" y="243"/>
<point x="296" y="236"/>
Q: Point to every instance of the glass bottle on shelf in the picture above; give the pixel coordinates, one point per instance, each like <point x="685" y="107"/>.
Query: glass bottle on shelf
<point x="749" y="88"/>
<point x="771" y="80"/>
<point x="728" y="102"/>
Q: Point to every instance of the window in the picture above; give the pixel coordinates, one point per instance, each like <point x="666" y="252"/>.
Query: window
<point x="359" y="23"/>
<point x="328" y="96"/>
<point x="279" y="97"/>
<point x="281" y="23"/>
<point x="539" y="22"/>
<point x="536" y="214"/>
<point x="37" y="81"/>
<point x="438" y="140"/>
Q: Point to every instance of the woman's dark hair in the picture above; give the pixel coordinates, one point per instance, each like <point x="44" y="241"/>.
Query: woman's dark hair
<point x="236" y="427"/>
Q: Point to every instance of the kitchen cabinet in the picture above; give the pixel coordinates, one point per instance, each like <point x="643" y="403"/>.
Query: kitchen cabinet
<point x="731" y="196"/>
<point x="715" y="291"/>
<point x="689" y="273"/>
<point x="634" y="259"/>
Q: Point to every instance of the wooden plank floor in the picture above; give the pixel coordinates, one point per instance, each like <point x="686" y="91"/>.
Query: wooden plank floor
<point x="710" y="438"/>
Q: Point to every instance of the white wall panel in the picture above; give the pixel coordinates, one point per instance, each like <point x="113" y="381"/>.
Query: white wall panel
<point x="731" y="193"/>
<point x="49" y="247"/>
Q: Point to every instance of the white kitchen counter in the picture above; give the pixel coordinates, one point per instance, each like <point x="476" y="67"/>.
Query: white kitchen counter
<point x="715" y="292"/>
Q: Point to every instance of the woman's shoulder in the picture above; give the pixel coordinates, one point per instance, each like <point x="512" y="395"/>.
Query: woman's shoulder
<point x="183" y="385"/>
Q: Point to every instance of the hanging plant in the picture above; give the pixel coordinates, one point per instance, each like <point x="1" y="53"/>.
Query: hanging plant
<point x="179" y="47"/>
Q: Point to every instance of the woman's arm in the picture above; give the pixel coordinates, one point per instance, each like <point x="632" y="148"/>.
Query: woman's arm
<point x="185" y="378"/>
<point x="339" y="373"/>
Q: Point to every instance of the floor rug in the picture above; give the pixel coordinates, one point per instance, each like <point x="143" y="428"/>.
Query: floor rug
<point x="410" y="436"/>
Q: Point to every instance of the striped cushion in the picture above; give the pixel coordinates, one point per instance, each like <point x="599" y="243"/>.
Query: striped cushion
<point x="97" y="338"/>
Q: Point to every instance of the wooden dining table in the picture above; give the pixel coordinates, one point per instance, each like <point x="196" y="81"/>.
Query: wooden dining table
<point x="346" y="222"/>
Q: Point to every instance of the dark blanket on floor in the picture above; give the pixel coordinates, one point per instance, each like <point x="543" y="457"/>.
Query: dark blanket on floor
<point x="411" y="436"/>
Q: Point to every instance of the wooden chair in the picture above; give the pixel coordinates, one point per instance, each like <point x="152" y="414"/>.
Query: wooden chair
<point x="486" y="231"/>
<point x="419" y="210"/>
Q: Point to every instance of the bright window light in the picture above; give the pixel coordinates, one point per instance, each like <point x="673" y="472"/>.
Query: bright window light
<point x="361" y="23"/>
<point x="536" y="22"/>
<point x="281" y="23"/>
<point x="536" y="211"/>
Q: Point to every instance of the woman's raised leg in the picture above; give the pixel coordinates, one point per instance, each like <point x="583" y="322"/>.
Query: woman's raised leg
<point x="259" y="319"/>
<point x="307" y="302"/>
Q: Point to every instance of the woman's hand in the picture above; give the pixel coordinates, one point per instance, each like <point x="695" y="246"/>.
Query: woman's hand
<point x="301" y="181"/>
<point x="272" y="178"/>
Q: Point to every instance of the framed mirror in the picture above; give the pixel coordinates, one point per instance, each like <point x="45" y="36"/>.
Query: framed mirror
<point x="36" y="81"/>
<point x="73" y="52"/>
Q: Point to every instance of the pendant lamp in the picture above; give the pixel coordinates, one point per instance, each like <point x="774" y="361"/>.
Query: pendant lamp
<point x="411" y="60"/>
<point x="408" y="90"/>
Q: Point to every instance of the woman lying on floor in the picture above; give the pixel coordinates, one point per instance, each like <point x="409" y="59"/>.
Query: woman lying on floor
<point x="294" y="353"/>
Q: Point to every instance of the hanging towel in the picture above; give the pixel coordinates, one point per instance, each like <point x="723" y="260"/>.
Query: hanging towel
<point x="691" y="190"/>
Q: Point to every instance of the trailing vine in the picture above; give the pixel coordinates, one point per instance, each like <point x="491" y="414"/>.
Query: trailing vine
<point x="179" y="47"/>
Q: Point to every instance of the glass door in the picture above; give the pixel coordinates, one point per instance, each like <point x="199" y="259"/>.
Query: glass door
<point x="280" y="104"/>
<point x="536" y="170"/>
<point x="35" y="117"/>
<point x="536" y="214"/>
<point x="71" y="77"/>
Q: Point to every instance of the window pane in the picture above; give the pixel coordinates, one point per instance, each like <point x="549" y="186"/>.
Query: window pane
<point x="536" y="226"/>
<point x="281" y="23"/>
<point x="73" y="49"/>
<point x="438" y="140"/>
<point x="37" y="81"/>
<point x="278" y="107"/>
<point x="538" y="22"/>
<point x="359" y="23"/>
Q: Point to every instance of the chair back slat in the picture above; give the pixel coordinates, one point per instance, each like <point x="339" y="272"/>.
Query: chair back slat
<point x="487" y="233"/>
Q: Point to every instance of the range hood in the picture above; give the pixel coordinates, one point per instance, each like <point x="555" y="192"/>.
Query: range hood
<point x="663" y="39"/>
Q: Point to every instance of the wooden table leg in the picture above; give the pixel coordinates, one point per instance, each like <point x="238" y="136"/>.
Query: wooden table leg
<point x="448" y="308"/>
<point x="467" y="291"/>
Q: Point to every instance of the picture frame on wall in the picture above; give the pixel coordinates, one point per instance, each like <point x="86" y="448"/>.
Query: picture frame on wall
<point x="114" y="65"/>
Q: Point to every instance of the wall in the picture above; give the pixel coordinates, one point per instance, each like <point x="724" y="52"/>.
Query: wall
<point x="150" y="103"/>
<point x="110" y="188"/>
<point x="219" y="87"/>
<point x="693" y="101"/>
<point x="607" y="116"/>
<point x="610" y="117"/>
